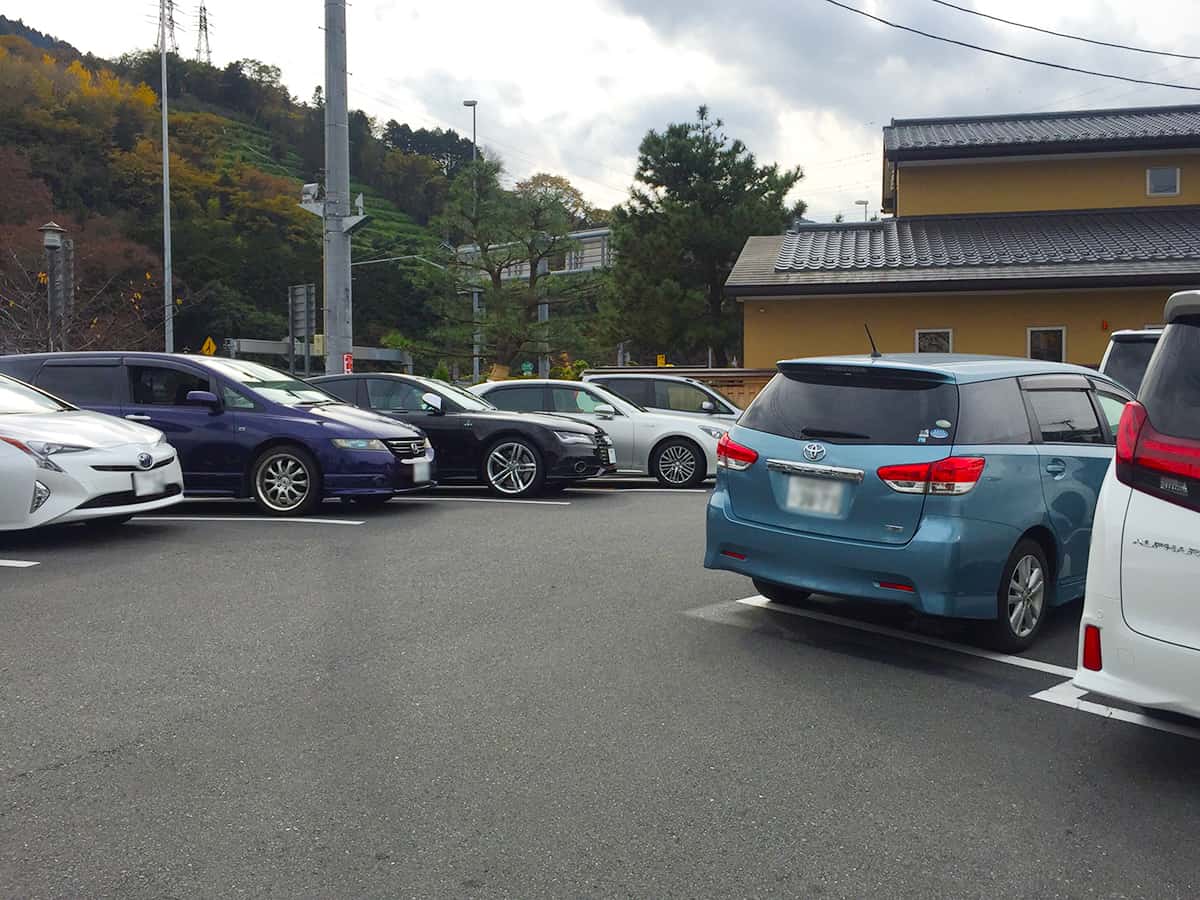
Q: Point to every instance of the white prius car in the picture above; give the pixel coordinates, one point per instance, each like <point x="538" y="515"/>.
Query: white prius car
<point x="61" y="464"/>
<point x="680" y="451"/>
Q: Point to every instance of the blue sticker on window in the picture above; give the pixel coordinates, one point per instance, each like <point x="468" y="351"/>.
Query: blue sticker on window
<point x="940" y="433"/>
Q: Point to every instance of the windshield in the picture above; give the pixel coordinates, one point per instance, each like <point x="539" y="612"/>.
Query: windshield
<point x="1127" y="362"/>
<point x="17" y="398"/>
<point x="465" y="399"/>
<point x="271" y="384"/>
<point x="713" y="390"/>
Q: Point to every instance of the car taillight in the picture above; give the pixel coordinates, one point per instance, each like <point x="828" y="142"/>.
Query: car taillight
<point x="732" y="455"/>
<point x="1153" y="463"/>
<point x="954" y="476"/>
<point x="1092" y="658"/>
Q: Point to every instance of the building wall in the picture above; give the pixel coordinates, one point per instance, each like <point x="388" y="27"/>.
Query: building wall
<point x="1080" y="182"/>
<point x="993" y="323"/>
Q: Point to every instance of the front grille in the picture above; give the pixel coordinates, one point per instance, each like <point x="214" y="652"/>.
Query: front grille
<point x="128" y="498"/>
<point x="157" y="465"/>
<point x="406" y="449"/>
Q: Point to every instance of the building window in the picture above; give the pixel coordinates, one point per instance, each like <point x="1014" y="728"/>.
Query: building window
<point x="935" y="340"/>
<point x="1048" y="344"/>
<point x="1162" y="182"/>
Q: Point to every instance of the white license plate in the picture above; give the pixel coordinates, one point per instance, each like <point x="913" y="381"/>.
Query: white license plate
<point x="420" y="472"/>
<point x="611" y="455"/>
<point x="815" y="496"/>
<point x="148" y="484"/>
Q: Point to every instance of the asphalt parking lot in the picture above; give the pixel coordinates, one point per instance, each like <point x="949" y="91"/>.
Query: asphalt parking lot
<point x="460" y="697"/>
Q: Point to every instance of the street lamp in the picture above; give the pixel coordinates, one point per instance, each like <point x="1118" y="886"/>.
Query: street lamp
<point x="865" y="204"/>
<point x="472" y="104"/>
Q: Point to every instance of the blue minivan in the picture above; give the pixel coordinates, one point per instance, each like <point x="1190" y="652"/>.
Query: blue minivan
<point x="956" y="485"/>
<point x="243" y="429"/>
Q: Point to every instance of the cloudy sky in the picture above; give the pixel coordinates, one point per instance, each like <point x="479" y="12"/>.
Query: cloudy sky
<point x="572" y="87"/>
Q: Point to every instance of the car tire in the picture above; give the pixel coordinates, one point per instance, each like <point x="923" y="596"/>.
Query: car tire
<point x="1022" y="599"/>
<point x="678" y="463"/>
<point x="513" y="468"/>
<point x="784" y="596"/>
<point x="286" y="481"/>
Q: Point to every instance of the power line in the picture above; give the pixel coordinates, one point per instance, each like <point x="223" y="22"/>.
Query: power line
<point x="1027" y="59"/>
<point x="1063" y="34"/>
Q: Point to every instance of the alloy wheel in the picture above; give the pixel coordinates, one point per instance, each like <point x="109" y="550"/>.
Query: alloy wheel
<point x="1026" y="596"/>
<point x="512" y="468"/>
<point x="283" y="482"/>
<point x="677" y="464"/>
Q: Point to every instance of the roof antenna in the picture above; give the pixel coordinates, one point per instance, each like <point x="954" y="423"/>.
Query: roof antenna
<point x="875" y="354"/>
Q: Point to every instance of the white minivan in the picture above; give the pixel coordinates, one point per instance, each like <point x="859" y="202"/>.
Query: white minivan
<point x="1140" y="634"/>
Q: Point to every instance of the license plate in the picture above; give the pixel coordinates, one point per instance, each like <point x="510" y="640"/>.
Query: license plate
<point x="148" y="484"/>
<point x="815" y="496"/>
<point x="420" y="472"/>
<point x="610" y="455"/>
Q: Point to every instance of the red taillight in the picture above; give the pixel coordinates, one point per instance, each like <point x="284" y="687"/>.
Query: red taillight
<point x="1163" y="466"/>
<point x="1128" y="432"/>
<point x="733" y="554"/>
<point x="955" y="475"/>
<point x="732" y="455"/>
<point x="1092" y="658"/>
<point x="896" y="586"/>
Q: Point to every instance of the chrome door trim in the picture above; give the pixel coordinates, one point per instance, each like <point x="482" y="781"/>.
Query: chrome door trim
<point x="833" y="473"/>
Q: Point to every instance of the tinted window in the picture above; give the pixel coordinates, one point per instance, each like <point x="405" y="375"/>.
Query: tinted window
<point x="17" y="398"/>
<point x="679" y="397"/>
<point x="84" y="385"/>
<point x="1066" y="417"/>
<point x="156" y="386"/>
<point x="573" y="400"/>
<point x="1127" y="362"/>
<point x="391" y="395"/>
<point x="992" y="412"/>
<point x="519" y="399"/>
<point x="855" y="406"/>
<point x="1171" y="391"/>
<point x="635" y="390"/>
<point x="344" y="390"/>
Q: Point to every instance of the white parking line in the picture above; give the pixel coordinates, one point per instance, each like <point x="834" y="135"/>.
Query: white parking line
<point x="1021" y="662"/>
<point x="444" y="499"/>
<point x="1066" y="694"/>
<point x="17" y="564"/>
<point x="283" y="521"/>
<point x="637" y="490"/>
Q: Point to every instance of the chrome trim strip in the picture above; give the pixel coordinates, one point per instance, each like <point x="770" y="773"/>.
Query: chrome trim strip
<point x="833" y="473"/>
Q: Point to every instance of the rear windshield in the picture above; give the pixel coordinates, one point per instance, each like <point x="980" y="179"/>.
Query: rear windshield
<point x="1127" y="362"/>
<point x="848" y="406"/>
<point x="1171" y="391"/>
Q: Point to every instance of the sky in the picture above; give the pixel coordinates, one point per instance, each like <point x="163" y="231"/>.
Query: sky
<point x="572" y="88"/>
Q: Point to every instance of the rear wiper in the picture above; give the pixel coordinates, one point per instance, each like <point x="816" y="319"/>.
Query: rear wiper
<point x="834" y="435"/>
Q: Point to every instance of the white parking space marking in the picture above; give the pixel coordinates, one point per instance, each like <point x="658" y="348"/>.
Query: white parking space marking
<point x="280" y="521"/>
<point x="17" y="564"/>
<point x="444" y="499"/>
<point x="1066" y="694"/>
<point x="1037" y="665"/>
<point x="636" y="490"/>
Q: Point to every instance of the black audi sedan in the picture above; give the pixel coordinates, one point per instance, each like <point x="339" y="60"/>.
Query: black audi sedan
<point x="514" y="454"/>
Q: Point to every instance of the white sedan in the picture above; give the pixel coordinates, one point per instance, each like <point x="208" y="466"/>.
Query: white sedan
<point x="679" y="450"/>
<point x="60" y="464"/>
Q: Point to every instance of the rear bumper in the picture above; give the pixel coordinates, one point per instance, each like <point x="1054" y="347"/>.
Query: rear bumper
<point x="370" y="473"/>
<point x="1141" y="670"/>
<point x="953" y="565"/>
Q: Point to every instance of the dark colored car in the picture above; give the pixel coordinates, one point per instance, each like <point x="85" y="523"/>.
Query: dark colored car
<point x="243" y="429"/>
<point x="514" y="454"/>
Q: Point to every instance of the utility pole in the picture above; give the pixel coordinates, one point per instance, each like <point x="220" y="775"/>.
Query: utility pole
<point x="476" y="306"/>
<point x="56" y="247"/>
<point x="167" y="43"/>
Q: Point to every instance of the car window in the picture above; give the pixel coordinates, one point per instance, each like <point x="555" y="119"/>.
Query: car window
<point x="992" y="412"/>
<point x="519" y="399"/>
<point x="18" y="399"/>
<point x="1113" y="408"/>
<point x="1127" y="362"/>
<point x="391" y="395"/>
<point x="1066" y="417"/>
<point x="83" y="385"/>
<point x="159" y="386"/>
<point x="635" y="390"/>
<point x="343" y="388"/>
<point x="1171" y="391"/>
<point x="574" y="400"/>
<point x="235" y="399"/>
<point x="679" y="397"/>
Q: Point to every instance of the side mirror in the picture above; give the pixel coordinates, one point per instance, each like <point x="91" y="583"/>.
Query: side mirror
<point x="605" y="411"/>
<point x="204" y="398"/>
<point x="433" y="401"/>
<point x="708" y="406"/>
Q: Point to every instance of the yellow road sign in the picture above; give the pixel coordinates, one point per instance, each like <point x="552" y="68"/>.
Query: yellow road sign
<point x="209" y="348"/>
<point x="662" y="360"/>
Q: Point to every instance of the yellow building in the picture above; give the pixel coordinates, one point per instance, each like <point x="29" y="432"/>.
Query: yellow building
<point x="1030" y="235"/>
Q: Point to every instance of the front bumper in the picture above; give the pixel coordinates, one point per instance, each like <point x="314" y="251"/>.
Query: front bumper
<point x="358" y="473"/>
<point x="577" y="461"/>
<point x="953" y="565"/>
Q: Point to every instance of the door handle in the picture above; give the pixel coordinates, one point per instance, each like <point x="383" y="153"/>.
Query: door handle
<point x="1056" y="467"/>
<point x="138" y="418"/>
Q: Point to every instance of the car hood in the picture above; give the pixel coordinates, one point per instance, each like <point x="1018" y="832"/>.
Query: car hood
<point x="78" y="428"/>
<point x="362" y="420"/>
<point x="546" y="420"/>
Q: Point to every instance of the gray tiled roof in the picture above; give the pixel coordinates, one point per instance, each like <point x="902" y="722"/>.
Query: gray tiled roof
<point x="1092" y="243"/>
<point x="1170" y="123"/>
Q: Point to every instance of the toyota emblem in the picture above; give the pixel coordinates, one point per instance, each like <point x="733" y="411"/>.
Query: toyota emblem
<point x="814" y="452"/>
<point x="145" y="460"/>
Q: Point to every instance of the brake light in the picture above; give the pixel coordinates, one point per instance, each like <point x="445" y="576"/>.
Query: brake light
<point x="1092" y="658"/>
<point x="953" y="476"/>
<point x="1157" y="464"/>
<point x="732" y="455"/>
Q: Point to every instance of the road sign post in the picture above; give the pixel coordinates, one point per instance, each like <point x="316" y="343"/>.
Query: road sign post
<point x="209" y="347"/>
<point x="302" y="323"/>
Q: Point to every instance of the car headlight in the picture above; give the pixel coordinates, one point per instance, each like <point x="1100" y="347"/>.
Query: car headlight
<point x="41" y="451"/>
<point x="574" y="437"/>
<point x="49" y="448"/>
<point x="359" y="444"/>
<point x="715" y="433"/>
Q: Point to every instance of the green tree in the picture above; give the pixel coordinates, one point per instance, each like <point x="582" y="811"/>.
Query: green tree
<point x="697" y="196"/>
